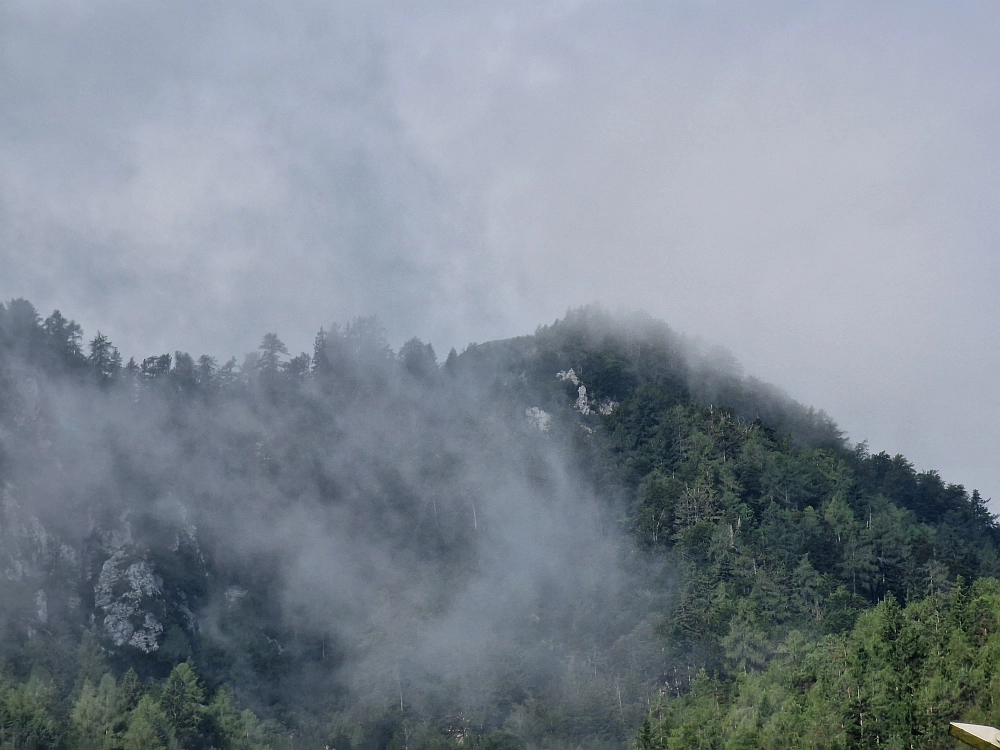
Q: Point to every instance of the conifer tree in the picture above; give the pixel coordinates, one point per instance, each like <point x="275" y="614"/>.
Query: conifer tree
<point x="182" y="703"/>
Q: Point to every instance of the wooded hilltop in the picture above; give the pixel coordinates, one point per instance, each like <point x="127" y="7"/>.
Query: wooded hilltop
<point x="602" y="535"/>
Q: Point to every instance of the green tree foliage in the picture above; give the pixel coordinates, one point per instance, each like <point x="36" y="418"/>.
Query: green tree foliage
<point x="184" y="375"/>
<point x="234" y="729"/>
<point x="155" y="368"/>
<point x="63" y="339"/>
<point x="182" y="703"/>
<point x="104" y="359"/>
<point x="149" y="728"/>
<point x="120" y="716"/>
<point x="269" y="363"/>
<point x="895" y="680"/>
<point x="26" y="717"/>
<point x="97" y="715"/>
<point x="787" y="589"/>
<point x="418" y="358"/>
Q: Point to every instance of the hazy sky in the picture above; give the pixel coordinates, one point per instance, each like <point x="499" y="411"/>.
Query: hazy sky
<point x="811" y="186"/>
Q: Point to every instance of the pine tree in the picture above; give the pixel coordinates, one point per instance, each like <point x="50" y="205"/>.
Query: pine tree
<point x="149" y="728"/>
<point x="129" y="691"/>
<point x="105" y="360"/>
<point x="182" y="703"/>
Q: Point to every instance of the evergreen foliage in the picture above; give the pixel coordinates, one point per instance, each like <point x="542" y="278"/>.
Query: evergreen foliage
<point x="776" y="586"/>
<point x="895" y="680"/>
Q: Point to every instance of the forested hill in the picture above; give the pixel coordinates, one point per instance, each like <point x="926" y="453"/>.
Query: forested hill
<point x="597" y="535"/>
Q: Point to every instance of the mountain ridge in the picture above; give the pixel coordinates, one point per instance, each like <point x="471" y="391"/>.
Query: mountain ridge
<point x="523" y="546"/>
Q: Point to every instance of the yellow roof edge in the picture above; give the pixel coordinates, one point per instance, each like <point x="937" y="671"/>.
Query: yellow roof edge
<point x="976" y="735"/>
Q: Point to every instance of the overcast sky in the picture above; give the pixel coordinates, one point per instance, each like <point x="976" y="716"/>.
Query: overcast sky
<point x="812" y="186"/>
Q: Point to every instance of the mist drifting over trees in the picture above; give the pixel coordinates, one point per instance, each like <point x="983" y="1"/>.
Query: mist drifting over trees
<point x="547" y="541"/>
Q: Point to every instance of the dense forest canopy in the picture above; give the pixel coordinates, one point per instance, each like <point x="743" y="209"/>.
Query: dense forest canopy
<point x="597" y="535"/>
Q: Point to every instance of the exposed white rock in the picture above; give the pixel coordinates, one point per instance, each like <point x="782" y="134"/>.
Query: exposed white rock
<point x="147" y="638"/>
<point x="583" y="404"/>
<point x="128" y="595"/>
<point x="121" y="589"/>
<point x="539" y="418"/>
<point x="569" y="375"/>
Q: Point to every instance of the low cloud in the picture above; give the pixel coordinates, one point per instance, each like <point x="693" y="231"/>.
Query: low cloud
<point x="804" y="186"/>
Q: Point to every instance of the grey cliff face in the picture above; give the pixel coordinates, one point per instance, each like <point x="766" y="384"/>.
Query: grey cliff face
<point x="44" y="576"/>
<point x="125" y="586"/>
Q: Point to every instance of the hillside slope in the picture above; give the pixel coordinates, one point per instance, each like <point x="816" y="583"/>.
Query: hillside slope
<point x="534" y="543"/>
